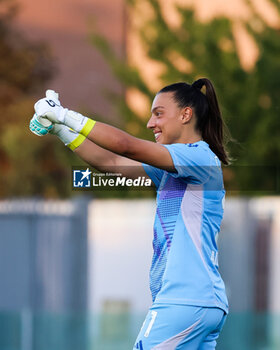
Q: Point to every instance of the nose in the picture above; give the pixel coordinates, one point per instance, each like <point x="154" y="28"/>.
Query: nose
<point x="151" y="123"/>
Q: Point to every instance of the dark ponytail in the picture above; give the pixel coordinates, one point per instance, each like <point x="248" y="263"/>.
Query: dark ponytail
<point x="211" y="125"/>
<point x="209" y="121"/>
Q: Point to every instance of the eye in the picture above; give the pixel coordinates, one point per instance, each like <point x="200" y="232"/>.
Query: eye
<point x="157" y="114"/>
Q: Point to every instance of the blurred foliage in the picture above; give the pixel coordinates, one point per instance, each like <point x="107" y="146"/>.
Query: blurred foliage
<point x="33" y="166"/>
<point x="29" y="165"/>
<point x="249" y="99"/>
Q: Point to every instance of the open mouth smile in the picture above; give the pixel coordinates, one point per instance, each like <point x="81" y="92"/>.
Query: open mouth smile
<point x="157" y="135"/>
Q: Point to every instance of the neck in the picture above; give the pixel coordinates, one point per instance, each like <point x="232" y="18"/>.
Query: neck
<point x="190" y="137"/>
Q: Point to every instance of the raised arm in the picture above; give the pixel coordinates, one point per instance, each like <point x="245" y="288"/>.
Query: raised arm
<point x="106" y="161"/>
<point x="128" y="146"/>
<point x="98" y="157"/>
<point x="104" y="136"/>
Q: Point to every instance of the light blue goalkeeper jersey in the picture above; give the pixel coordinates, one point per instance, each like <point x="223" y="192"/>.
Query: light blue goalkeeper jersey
<point x="189" y="212"/>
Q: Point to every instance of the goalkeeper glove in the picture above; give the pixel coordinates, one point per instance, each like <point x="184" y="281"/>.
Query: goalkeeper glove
<point x="40" y="126"/>
<point x="50" y="108"/>
<point x="69" y="137"/>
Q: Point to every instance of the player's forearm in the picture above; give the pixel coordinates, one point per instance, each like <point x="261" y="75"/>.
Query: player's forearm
<point x="112" y="139"/>
<point x="106" y="161"/>
<point x="97" y="157"/>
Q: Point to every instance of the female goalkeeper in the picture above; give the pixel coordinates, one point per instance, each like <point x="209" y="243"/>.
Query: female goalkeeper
<point x="189" y="300"/>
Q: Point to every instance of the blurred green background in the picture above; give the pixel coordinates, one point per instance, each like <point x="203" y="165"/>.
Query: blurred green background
<point x="240" y="55"/>
<point x="108" y="60"/>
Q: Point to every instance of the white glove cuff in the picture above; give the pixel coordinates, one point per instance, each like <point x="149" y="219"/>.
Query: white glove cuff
<point x="78" y="122"/>
<point x="69" y="137"/>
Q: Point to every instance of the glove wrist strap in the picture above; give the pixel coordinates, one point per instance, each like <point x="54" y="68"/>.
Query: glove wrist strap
<point x="78" y="122"/>
<point x="69" y="137"/>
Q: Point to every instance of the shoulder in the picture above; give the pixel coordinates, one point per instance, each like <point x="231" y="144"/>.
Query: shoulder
<point x="193" y="161"/>
<point x="197" y="153"/>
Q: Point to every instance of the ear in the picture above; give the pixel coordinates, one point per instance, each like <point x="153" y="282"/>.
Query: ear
<point x="186" y="115"/>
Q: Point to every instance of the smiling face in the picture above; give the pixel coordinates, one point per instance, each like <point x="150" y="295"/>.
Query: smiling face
<point x="168" y="120"/>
